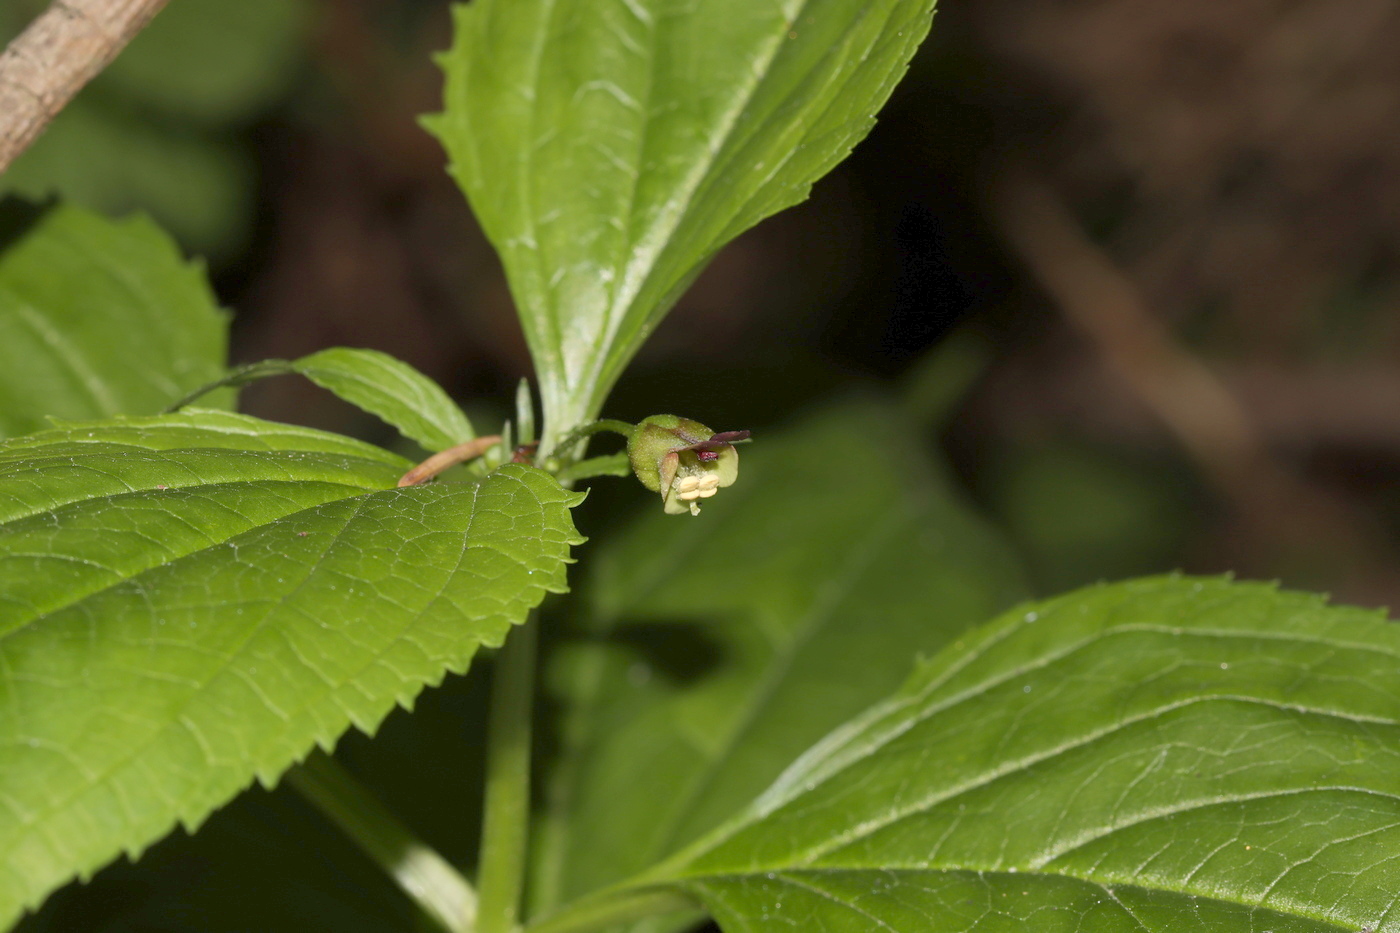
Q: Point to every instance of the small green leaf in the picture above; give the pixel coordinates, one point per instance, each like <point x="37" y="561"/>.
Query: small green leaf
<point x="99" y="318"/>
<point x="195" y="600"/>
<point x="611" y="148"/>
<point x="392" y="390"/>
<point x="1164" y="754"/>
<point x="735" y="641"/>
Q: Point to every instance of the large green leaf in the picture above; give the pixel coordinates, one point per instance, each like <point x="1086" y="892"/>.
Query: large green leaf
<point x="799" y="597"/>
<point x="1166" y="754"/>
<point x="99" y="318"/>
<point x="611" y="147"/>
<point x="195" y="600"/>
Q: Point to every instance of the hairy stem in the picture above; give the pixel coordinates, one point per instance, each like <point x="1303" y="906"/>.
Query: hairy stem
<point x="422" y="874"/>
<point x="506" y="826"/>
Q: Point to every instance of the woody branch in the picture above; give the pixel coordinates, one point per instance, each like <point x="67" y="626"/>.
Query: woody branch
<point x="62" y="50"/>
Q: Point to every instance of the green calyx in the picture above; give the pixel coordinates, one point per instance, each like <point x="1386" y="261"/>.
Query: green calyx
<point x="683" y="460"/>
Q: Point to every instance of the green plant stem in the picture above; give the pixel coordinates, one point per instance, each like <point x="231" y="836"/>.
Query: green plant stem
<point x="588" y="430"/>
<point x="506" y="824"/>
<point x="240" y="376"/>
<point x="612" y="910"/>
<point x="524" y="413"/>
<point x="422" y="874"/>
<point x="606" y="465"/>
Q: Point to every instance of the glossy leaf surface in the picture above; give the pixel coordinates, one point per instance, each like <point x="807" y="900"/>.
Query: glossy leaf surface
<point x="1163" y="754"/>
<point x="391" y="390"/>
<point x="100" y="318"/>
<point x="801" y="595"/>
<point x="195" y="600"/>
<point x="611" y="147"/>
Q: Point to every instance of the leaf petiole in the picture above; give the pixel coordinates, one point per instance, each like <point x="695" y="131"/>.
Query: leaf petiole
<point x="506" y="825"/>
<point x="611" y="425"/>
<point x="450" y="457"/>
<point x="607" y="465"/>
<point x="234" y="378"/>
<point x="422" y="874"/>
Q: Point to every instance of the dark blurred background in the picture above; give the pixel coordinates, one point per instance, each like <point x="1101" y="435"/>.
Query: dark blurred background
<point x="1160" y="240"/>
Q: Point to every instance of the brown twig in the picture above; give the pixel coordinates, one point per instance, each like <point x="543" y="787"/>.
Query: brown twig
<point x="1283" y="515"/>
<point x="62" y="50"/>
<point x="452" y="456"/>
<point x="1298" y="411"/>
<point x="1104" y="306"/>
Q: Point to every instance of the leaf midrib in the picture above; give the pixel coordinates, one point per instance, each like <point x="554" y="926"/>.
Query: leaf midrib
<point x="125" y="577"/>
<point x="764" y="805"/>
<point x="637" y="274"/>
<point x="786" y="875"/>
<point x="945" y="794"/>
<point x="138" y="291"/>
<point x="98" y="392"/>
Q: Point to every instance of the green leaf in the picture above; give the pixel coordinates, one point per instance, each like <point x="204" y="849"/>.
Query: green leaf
<point x="737" y="639"/>
<point x="1163" y="754"/>
<point x="195" y="600"/>
<point x="99" y="318"/>
<point x="391" y="390"/>
<point x="609" y="149"/>
<point x="385" y="387"/>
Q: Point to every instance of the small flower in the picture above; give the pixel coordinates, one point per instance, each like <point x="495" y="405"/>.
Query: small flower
<point x="683" y="460"/>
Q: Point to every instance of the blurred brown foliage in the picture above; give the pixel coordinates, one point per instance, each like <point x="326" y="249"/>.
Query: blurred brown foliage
<point x="1253" y="148"/>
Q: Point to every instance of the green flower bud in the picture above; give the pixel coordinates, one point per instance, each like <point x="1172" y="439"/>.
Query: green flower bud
<point x="683" y="460"/>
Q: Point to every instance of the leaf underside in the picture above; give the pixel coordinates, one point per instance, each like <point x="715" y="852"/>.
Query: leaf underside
<point x="195" y="600"/>
<point x="611" y="147"/>
<point x="1158" y="755"/>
